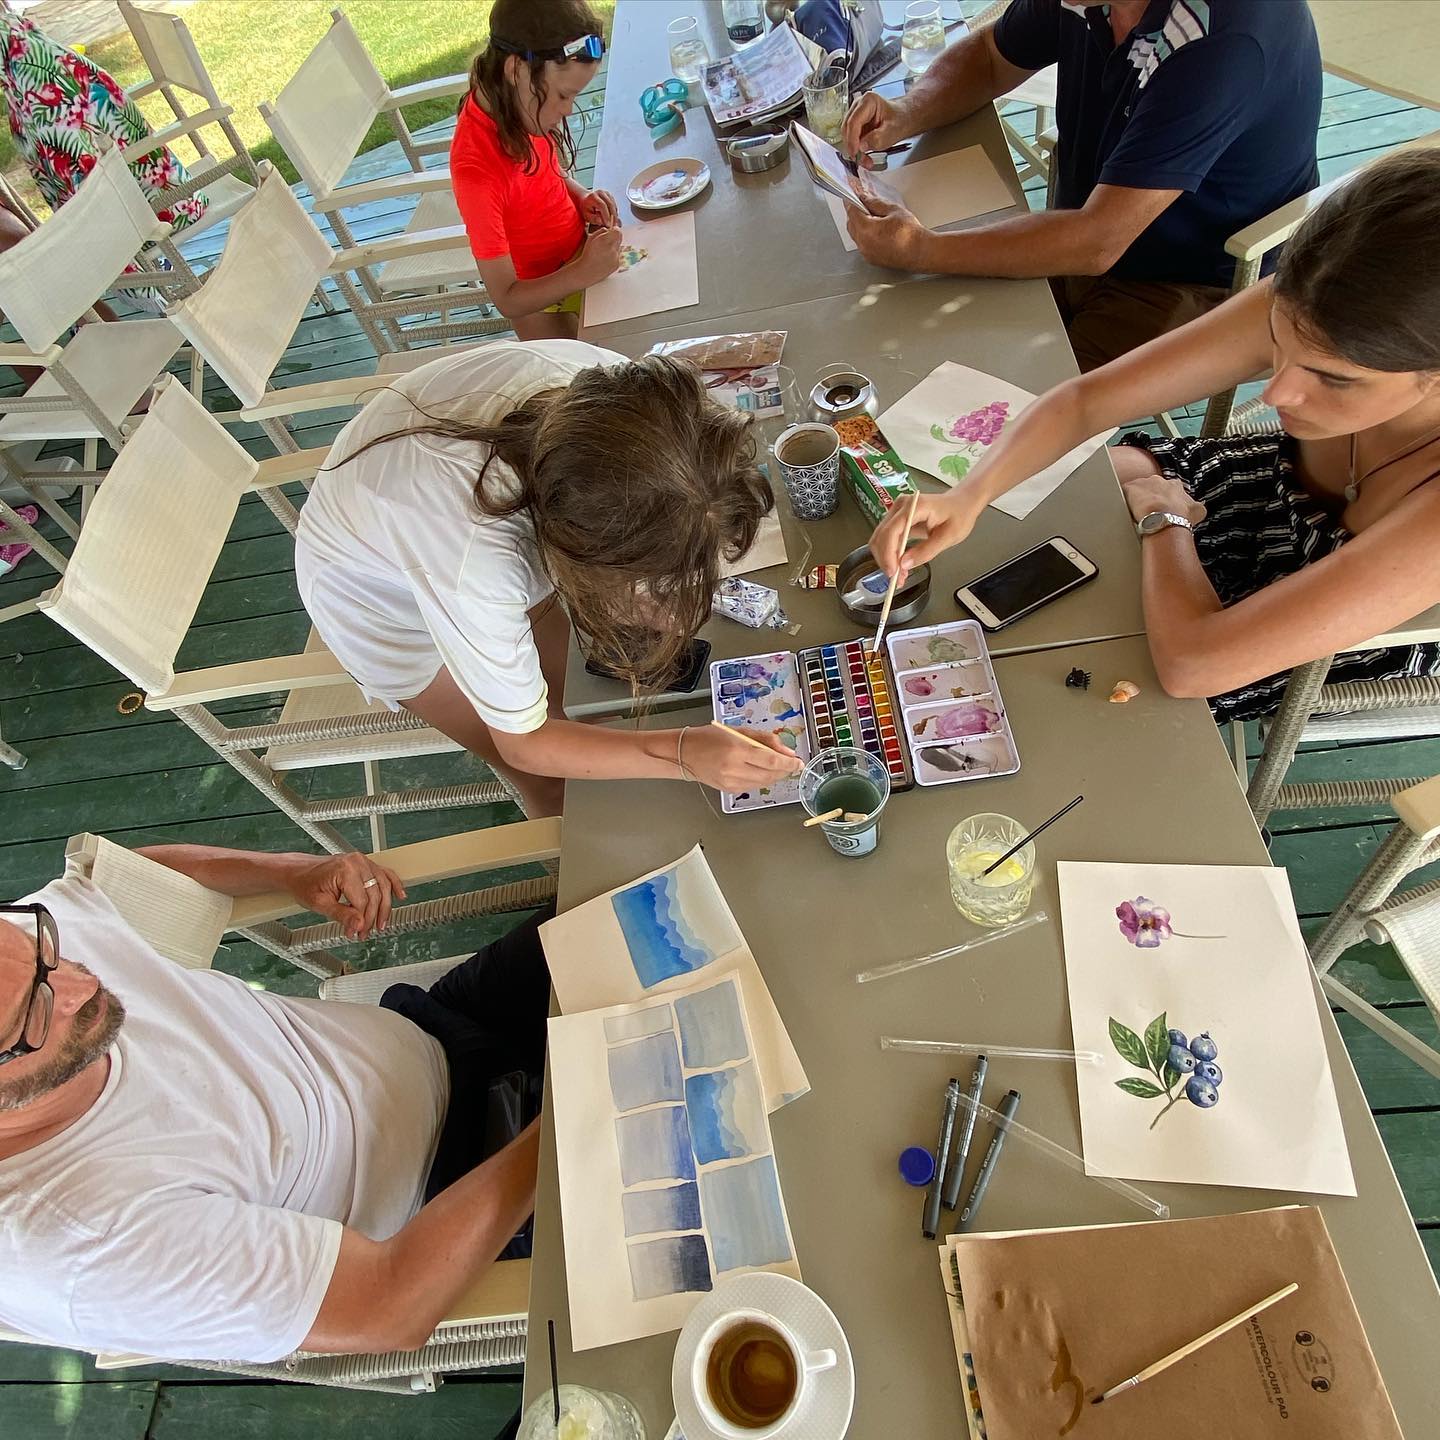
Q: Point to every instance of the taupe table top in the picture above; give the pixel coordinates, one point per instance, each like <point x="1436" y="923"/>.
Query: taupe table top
<point x="1389" y="45"/>
<point x="764" y="240"/>
<point x="897" y="334"/>
<point x="1158" y="786"/>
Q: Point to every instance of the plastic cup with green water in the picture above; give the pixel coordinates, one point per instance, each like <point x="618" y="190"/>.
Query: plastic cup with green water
<point x="1003" y="896"/>
<point x="857" y="784"/>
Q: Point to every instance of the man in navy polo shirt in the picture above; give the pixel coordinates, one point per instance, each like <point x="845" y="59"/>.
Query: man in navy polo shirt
<point x="1180" y="122"/>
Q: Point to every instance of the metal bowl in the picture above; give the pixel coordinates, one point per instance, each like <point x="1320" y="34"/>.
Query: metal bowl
<point x="910" y="599"/>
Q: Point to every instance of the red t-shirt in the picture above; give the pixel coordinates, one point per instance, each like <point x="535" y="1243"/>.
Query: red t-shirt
<point x="531" y="218"/>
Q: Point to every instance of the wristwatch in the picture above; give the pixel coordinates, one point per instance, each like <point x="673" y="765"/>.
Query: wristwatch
<point x="1158" y="520"/>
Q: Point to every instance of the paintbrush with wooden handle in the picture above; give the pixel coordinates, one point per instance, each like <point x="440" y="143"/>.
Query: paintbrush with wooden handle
<point x="895" y="578"/>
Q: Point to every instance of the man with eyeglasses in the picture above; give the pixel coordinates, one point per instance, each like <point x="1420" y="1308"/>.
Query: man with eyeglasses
<point x="194" y="1169"/>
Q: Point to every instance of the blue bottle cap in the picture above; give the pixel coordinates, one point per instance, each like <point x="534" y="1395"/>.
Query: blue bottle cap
<point x="917" y="1165"/>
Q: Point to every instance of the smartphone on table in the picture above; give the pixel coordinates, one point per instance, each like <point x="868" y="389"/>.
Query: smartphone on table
<point x="1020" y="586"/>
<point x="689" y="673"/>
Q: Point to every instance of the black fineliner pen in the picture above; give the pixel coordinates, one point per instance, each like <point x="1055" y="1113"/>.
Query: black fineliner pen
<point x="930" y="1223"/>
<point x="1008" y="1106"/>
<point x="956" y="1175"/>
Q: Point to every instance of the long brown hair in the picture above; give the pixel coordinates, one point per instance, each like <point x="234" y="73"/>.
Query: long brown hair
<point x="638" y="485"/>
<point x="1361" y="276"/>
<point x="527" y="26"/>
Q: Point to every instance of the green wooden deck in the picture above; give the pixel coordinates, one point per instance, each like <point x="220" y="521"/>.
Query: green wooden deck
<point x="145" y="778"/>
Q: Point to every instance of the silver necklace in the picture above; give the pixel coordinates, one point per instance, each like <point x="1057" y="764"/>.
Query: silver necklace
<point x="1352" y="490"/>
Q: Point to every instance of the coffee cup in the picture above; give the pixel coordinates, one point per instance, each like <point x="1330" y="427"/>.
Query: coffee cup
<point x="751" y="1374"/>
<point x="809" y="459"/>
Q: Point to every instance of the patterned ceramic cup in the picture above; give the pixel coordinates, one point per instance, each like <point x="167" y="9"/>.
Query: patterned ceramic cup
<point x="809" y="459"/>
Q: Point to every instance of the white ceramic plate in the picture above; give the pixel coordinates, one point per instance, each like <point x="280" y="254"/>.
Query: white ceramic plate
<point x="668" y="183"/>
<point x="825" y="1414"/>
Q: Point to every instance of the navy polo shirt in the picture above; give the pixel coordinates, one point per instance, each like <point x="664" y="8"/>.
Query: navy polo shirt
<point x="1218" y="100"/>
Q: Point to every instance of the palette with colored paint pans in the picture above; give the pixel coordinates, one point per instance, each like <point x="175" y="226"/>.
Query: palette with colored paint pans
<point x="668" y="183"/>
<point x="950" y="705"/>
<point x="762" y="692"/>
<point x="849" y="697"/>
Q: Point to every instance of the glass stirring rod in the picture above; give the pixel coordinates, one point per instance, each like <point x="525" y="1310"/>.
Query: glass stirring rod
<point x="899" y="967"/>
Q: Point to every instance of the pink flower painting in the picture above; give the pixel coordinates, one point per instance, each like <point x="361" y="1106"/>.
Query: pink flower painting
<point x="1143" y="923"/>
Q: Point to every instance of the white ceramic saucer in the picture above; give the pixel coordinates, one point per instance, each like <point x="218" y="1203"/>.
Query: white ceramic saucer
<point x="652" y="189"/>
<point x="825" y="1411"/>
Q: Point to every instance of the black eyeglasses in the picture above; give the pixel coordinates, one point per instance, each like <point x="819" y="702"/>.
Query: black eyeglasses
<point x="40" y="1003"/>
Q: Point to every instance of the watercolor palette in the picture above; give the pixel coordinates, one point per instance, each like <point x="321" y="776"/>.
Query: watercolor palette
<point x="951" y="712"/>
<point x="849" y="700"/>
<point x="762" y="692"/>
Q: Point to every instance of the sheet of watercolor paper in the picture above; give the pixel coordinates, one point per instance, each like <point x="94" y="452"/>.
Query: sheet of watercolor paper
<point x="948" y="422"/>
<point x="668" y="1182"/>
<point x="940" y="191"/>
<point x="1193" y="985"/>
<point x="768" y="550"/>
<point x="658" y="271"/>
<point x="660" y="933"/>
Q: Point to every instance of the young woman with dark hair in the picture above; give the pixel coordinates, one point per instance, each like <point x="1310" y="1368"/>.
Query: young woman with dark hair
<point x="538" y="236"/>
<point x="1262" y="553"/>
<point x="476" y="501"/>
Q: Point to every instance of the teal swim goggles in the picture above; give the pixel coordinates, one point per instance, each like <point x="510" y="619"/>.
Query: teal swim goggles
<point x="663" y="105"/>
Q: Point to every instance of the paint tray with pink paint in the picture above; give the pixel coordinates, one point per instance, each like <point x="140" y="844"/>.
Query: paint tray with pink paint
<point x="762" y="692"/>
<point x="950" y="706"/>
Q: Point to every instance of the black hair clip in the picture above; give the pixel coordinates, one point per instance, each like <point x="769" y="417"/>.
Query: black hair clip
<point x="1078" y="679"/>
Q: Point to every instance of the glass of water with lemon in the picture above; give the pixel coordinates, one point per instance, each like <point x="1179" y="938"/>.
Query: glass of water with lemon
<point x="1003" y="896"/>
<point x="923" y="38"/>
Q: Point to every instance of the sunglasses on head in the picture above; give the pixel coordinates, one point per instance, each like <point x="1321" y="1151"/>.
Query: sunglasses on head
<point x="587" y="47"/>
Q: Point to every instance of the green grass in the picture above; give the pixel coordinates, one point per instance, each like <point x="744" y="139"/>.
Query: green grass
<point x="252" y="47"/>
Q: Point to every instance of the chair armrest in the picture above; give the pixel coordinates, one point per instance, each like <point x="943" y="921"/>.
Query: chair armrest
<point x="139" y="92"/>
<point x="399" y="247"/>
<point x="177" y="130"/>
<point x="1419" y="808"/>
<point x="387" y="187"/>
<point x="1423" y="629"/>
<point x="436" y="89"/>
<point x="444" y="858"/>
<point x="501" y="1293"/>
<point x="286" y="469"/>
<point x="250" y="677"/>
<point x="24" y="355"/>
<point x="299" y="399"/>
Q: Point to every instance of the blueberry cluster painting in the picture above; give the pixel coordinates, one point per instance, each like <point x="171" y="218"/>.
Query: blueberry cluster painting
<point x="1193" y="986"/>
<point x="668" y="1180"/>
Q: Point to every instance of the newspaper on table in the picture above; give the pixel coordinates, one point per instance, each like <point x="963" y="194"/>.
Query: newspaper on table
<point x="761" y="81"/>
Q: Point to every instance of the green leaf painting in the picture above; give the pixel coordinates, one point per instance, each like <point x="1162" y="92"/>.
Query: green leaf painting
<point x="955" y="466"/>
<point x="1128" y="1043"/>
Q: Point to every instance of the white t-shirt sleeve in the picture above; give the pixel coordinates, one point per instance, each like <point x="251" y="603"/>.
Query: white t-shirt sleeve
<point x="206" y="1276"/>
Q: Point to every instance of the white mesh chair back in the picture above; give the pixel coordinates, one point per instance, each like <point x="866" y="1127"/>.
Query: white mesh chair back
<point x="168" y="49"/>
<point x="151" y="539"/>
<point x="56" y="273"/>
<point x="1413" y="928"/>
<point x="245" y="315"/>
<point x="322" y="115"/>
<point x="182" y="919"/>
<point x="365" y="987"/>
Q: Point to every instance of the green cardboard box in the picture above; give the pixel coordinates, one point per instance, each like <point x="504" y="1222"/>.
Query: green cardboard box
<point x="874" y="474"/>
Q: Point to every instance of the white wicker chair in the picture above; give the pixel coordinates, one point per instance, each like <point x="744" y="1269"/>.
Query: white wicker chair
<point x="320" y="119"/>
<point x="132" y="601"/>
<point x="92" y="382"/>
<point x="177" y="71"/>
<point x="185" y="922"/>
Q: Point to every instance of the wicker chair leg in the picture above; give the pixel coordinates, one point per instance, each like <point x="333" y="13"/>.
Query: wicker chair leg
<point x="1401" y="852"/>
<point x="1284" y="735"/>
<point x="10" y="756"/>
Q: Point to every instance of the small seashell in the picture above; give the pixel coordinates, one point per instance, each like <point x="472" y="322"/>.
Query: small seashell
<point x="1124" y="692"/>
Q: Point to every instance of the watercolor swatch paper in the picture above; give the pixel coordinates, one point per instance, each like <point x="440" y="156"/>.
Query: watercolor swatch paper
<point x="949" y="421"/>
<point x="940" y="191"/>
<point x="659" y="934"/>
<point x="1193" y="983"/>
<point x="660" y="1203"/>
<point x="659" y="272"/>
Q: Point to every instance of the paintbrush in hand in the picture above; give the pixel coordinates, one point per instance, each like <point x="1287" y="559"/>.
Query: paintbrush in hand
<point x="895" y="578"/>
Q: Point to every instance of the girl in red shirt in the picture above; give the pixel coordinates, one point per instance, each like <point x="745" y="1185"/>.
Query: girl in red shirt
<point x="539" y="237"/>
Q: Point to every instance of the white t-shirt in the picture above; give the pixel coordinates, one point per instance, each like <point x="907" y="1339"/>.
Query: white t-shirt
<point x="400" y="569"/>
<point x="195" y="1210"/>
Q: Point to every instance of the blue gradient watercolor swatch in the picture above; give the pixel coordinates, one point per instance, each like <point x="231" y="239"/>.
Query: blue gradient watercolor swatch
<point x="712" y="1030"/>
<point x="650" y="1021"/>
<point x="727" y="1114"/>
<point x="645" y="1072"/>
<point x="675" y="922"/>
<point x="745" y="1214"/>
<point x="651" y="1212"/>
<point x="654" y="1145"/>
<point x="677" y="1265"/>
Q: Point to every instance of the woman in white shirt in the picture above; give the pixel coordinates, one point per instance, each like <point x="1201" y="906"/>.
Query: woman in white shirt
<point x="475" y="501"/>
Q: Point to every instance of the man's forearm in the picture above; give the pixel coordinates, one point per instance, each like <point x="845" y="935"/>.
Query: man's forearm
<point x="1052" y="242"/>
<point x="231" y="872"/>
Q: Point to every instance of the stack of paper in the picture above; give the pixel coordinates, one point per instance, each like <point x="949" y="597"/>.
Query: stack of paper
<point x="761" y="81"/>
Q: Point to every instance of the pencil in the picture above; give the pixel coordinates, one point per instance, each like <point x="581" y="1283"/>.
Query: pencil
<point x="895" y="578"/>
<point x="751" y="740"/>
<point x="1175" y="1355"/>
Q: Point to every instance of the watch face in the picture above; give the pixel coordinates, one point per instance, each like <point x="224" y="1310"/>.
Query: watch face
<point x="1154" y="522"/>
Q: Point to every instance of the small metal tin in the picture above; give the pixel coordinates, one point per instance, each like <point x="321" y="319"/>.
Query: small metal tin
<point x="841" y="393"/>
<point x="910" y="599"/>
<point x="758" y="148"/>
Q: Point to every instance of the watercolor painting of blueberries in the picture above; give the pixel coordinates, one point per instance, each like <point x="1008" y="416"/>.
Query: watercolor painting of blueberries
<point x="1182" y="1069"/>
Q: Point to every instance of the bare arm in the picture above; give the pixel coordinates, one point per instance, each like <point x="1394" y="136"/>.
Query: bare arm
<point x="1378" y="580"/>
<point x="1087" y="241"/>
<point x="513" y="297"/>
<point x="391" y="1294"/>
<point x="1229" y="345"/>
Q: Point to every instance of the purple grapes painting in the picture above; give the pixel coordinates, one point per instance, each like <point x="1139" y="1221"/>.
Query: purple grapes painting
<point x="1183" y="1069"/>
<point x="975" y="432"/>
